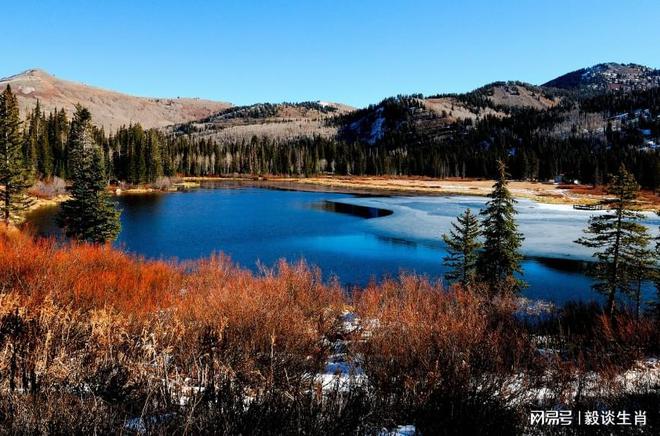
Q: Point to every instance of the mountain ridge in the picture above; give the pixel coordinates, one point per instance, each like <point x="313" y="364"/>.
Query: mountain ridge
<point x="110" y="109"/>
<point x="608" y="76"/>
<point x="221" y="120"/>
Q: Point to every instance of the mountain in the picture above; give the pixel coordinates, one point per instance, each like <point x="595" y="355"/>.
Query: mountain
<point x="519" y="95"/>
<point x="109" y="109"/>
<point x="580" y="102"/>
<point x="608" y="77"/>
<point x="433" y="115"/>
<point x="437" y="115"/>
<point x="582" y="125"/>
<point x="279" y="121"/>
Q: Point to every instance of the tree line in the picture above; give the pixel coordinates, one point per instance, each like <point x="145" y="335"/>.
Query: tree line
<point x="523" y="141"/>
<point x="534" y="144"/>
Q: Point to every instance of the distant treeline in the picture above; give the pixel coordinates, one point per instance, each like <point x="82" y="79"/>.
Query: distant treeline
<point x="524" y="140"/>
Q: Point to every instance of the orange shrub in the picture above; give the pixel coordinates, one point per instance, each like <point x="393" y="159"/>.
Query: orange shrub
<point x="84" y="318"/>
<point x="216" y="348"/>
<point x="440" y="355"/>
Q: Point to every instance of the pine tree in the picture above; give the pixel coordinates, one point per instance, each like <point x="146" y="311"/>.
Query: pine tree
<point x="642" y="267"/>
<point x="620" y="240"/>
<point x="463" y="246"/>
<point x="154" y="159"/>
<point x="44" y="154"/>
<point x="89" y="215"/>
<point x="500" y="258"/>
<point x="15" y="178"/>
<point x="38" y="153"/>
<point x="30" y="147"/>
<point x="58" y="128"/>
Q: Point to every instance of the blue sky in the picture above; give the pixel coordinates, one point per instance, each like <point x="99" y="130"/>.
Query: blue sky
<point x="351" y="51"/>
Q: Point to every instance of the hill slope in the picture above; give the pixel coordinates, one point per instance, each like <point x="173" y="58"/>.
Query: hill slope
<point x="279" y="121"/>
<point x="608" y="77"/>
<point x="109" y="109"/>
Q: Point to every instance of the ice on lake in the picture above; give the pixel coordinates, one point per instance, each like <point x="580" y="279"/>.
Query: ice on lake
<point x="549" y="229"/>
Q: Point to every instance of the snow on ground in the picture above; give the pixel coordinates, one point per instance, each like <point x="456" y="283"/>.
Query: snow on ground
<point x="526" y="306"/>
<point x="377" y="127"/>
<point x="550" y="229"/>
<point x="642" y="376"/>
<point x="340" y="373"/>
<point x="140" y="425"/>
<point x="402" y="430"/>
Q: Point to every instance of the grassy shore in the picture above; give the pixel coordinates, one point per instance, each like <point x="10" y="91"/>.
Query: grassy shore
<point x="387" y="185"/>
<point x="39" y="201"/>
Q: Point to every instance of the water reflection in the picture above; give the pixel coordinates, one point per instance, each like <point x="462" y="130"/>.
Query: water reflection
<point x="352" y="209"/>
<point x="565" y="265"/>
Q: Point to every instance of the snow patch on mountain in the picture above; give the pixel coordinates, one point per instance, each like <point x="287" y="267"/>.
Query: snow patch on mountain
<point x="377" y="131"/>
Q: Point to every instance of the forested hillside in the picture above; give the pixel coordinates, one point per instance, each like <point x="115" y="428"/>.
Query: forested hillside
<point x="607" y="77"/>
<point x="540" y="132"/>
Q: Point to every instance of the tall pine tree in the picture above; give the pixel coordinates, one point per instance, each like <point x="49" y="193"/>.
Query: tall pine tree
<point x="642" y="267"/>
<point x="618" y="238"/>
<point x="58" y="130"/>
<point x="154" y="158"/>
<point x="31" y="137"/>
<point x="500" y="258"/>
<point x="463" y="245"/>
<point x="89" y="215"/>
<point x="15" y="177"/>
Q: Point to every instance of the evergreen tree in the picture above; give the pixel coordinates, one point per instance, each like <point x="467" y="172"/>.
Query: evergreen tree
<point x="44" y="154"/>
<point x="30" y="147"/>
<point x="463" y="246"/>
<point x="89" y="215"/>
<point x="14" y="176"/>
<point x="58" y="130"/>
<point x="642" y="267"/>
<point x="154" y="158"/>
<point x="620" y="240"/>
<point x="500" y="258"/>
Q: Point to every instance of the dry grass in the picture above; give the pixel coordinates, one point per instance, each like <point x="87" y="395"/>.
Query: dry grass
<point x="91" y="337"/>
<point x="279" y="129"/>
<point x="439" y="354"/>
<point x="91" y="320"/>
<point x="388" y="185"/>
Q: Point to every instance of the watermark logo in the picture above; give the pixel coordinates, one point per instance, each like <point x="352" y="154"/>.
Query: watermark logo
<point x="588" y="418"/>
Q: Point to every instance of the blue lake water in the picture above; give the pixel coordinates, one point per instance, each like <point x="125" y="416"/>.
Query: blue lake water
<point x="355" y="238"/>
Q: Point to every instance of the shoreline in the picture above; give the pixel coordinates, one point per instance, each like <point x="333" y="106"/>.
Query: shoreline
<point x="385" y="186"/>
<point x="40" y="203"/>
<point x="540" y="192"/>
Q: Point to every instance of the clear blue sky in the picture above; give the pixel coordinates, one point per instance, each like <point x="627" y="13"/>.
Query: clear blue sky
<point x="351" y="51"/>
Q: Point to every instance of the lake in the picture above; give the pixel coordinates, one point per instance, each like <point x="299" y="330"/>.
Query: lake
<point x="355" y="238"/>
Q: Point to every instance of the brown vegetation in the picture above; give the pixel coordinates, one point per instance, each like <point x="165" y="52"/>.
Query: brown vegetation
<point x="419" y="185"/>
<point x="93" y="340"/>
